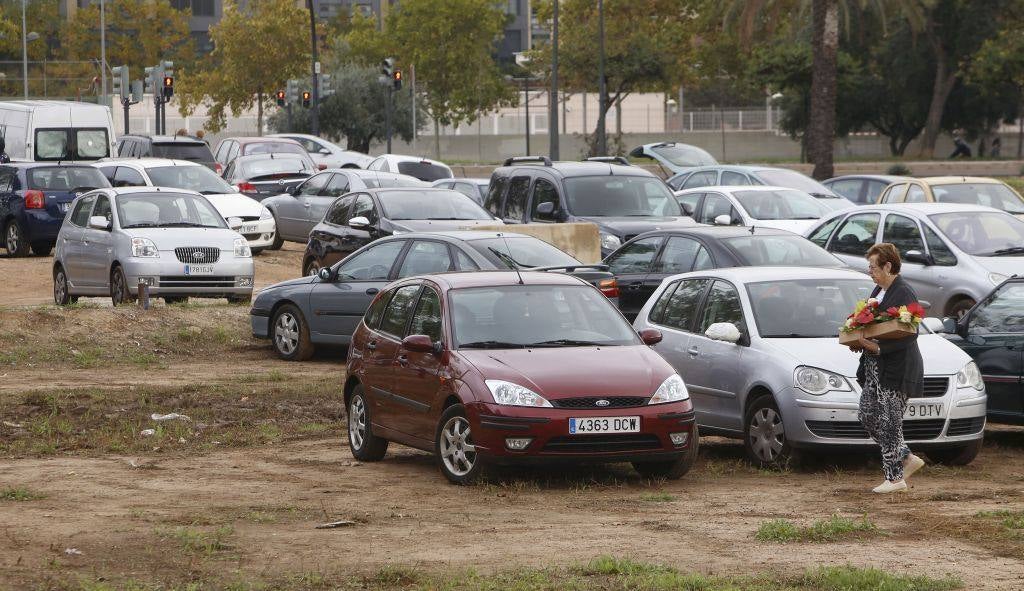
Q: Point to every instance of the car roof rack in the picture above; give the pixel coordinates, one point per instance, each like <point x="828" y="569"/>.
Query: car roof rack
<point x="518" y="159"/>
<point x="609" y="159"/>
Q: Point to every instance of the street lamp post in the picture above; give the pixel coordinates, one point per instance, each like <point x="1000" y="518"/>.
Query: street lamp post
<point x="553" y="100"/>
<point x="24" y="49"/>
<point x="602" y="139"/>
<point x="103" y="51"/>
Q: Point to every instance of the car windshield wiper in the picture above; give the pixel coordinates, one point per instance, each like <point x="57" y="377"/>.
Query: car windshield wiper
<point x="446" y="219"/>
<point x="566" y="343"/>
<point x="208" y="192"/>
<point x="1005" y="251"/>
<point x="185" y="225"/>
<point x="491" y="345"/>
<point x="141" y="225"/>
<point x="794" y="335"/>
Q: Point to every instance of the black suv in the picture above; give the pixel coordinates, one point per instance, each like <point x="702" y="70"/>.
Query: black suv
<point x="621" y="200"/>
<point x="176" y="147"/>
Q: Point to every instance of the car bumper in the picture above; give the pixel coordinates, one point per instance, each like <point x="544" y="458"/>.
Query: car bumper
<point x="39" y="225"/>
<point x="259" y="319"/>
<point x="811" y="421"/>
<point x="259" y="234"/>
<point x="162" y="277"/>
<point x="550" y="441"/>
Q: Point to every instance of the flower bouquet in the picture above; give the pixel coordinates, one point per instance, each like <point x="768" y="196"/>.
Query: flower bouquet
<point x="871" y="322"/>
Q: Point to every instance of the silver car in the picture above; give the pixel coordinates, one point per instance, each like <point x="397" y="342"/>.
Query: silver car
<point x="173" y="241"/>
<point x="758" y="349"/>
<point x="953" y="254"/>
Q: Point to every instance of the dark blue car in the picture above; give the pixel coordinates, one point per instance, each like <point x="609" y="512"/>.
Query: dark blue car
<point x="34" y="197"/>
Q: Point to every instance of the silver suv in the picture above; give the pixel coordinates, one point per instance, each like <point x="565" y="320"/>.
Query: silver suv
<point x="173" y="241"/>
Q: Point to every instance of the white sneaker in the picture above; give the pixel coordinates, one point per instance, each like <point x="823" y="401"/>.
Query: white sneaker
<point x="911" y="464"/>
<point x="890" y="487"/>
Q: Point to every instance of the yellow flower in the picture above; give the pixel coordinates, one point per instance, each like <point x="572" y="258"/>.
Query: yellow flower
<point x="905" y="315"/>
<point x="860" y="306"/>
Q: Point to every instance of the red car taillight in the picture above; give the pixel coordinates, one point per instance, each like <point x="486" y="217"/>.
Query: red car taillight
<point x="218" y="168"/>
<point x="35" y="200"/>
<point x="246" y="187"/>
<point x="609" y="287"/>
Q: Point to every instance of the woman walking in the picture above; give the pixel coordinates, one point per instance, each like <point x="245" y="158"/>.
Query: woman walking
<point x="890" y="372"/>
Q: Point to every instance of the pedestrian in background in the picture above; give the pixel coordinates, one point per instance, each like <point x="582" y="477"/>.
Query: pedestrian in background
<point x="4" y="158"/>
<point x="890" y="372"/>
<point x="961" y="147"/>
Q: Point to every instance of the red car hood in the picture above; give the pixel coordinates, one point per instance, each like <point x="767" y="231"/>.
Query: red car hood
<point x="569" y="372"/>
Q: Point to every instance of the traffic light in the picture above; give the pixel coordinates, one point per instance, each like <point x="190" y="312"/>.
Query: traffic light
<point x="397" y="78"/>
<point x="147" y="82"/>
<point x="326" y="89"/>
<point x="121" y="81"/>
<point x="306" y="97"/>
<point x="168" y="86"/>
<point x="388" y="67"/>
<point x="167" y="74"/>
<point x="280" y="98"/>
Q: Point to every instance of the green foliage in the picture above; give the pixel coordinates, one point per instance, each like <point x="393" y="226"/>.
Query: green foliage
<point x="19" y="494"/>
<point x="898" y="170"/>
<point x="823" y="530"/>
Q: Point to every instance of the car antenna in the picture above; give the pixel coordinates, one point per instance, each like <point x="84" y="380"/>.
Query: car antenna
<point x="508" y="249"/>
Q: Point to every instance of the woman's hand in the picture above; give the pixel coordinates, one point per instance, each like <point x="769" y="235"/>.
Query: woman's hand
<point x="868" y="345"/>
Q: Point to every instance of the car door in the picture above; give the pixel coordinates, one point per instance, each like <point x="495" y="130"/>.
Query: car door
<point x="418" y="375"/>
<point x="301" y="213"/>
<point x="675" y="313"/>
<point x="714" y="205"/>
<point x="98" y="247"/>
<point x="333" y="238"/>
<point x="514" y="210"/>
<point x="717" y="368"/>
<point x="336" y="186"/>
<point x="364" y="206"/>
<point x="995" y="340"/>
<point x="853" y="238"/>
<point x="690" y="203"/>
<point x="391" y="411"/>
<point x="928" y="281"/>
<point x="72" y="234"/>
<point x="337" y="306"/>
<point x="631" y="265"/>
<point x="127" y="177"/>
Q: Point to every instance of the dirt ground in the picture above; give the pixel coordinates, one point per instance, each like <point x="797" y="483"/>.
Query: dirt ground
<point x="236" y="492"/>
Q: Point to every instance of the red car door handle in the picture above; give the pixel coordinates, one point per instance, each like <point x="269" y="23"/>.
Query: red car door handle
<point x="372" y="345"/>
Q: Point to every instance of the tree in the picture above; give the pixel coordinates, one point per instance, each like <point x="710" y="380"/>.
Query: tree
<point x="1000" y="62"/>
<point x="451" y="43"/>
<point x="354" y="112"/>
<point x="256" y="50"/>
<point x="42" y="17"/>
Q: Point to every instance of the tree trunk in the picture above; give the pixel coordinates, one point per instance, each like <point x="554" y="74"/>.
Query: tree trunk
<point x="1020" y="131"/>
<point x="821" y="129"/>
<point x="941" y="87"/>
<point x="259" y="113"/>
<point x="437" y="139"/>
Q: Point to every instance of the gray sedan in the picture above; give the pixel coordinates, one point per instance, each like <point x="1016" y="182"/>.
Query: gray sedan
<point x="173" y="241"/>
<point x="758" y="349"/>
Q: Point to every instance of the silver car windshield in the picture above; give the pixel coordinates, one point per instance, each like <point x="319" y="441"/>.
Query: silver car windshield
<point x="805" y="308"/>
<point x="779" y="205"/>
<point x="989" y="194"/>
<point x="523" y="253"/>
<point x="435" y="205"/>
<point x="166" y="210"/>
<point x="620" y="196"/>
<point x="521" y="316"/>
<point x="193" y="178"/>
<point x="983" y="233"/>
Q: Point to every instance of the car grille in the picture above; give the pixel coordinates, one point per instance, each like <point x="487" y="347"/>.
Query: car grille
<point x="197" y="281"/>
<point x="583" y="444"/>
<point x="197" y="255"/>
<point x="249" y="218"/>
<point x="255" y="236"/>
<point x="591" y="402"/>
<point x="912" y="430"/>
<point x="935" y="387"/>
<point x="967" y="426"/>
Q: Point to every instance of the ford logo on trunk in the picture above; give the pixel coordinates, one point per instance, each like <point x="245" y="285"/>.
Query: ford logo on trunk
<point x="601" y="402"/>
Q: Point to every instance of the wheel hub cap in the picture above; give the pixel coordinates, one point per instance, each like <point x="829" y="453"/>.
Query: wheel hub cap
<point x="286" y="333"/>
<point x="767" y="435"/>
<point x="457" y="450"/>
<point x="357" y="422"/>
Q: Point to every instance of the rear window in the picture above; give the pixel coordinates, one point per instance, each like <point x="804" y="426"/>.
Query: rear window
<point x="387" y="182"/>
<point x="272" y="147"/>
<point x="523" y="253"/>
<point x="183" y="151"/>
<point x="257" y="168"/>
<point x="71" y="144"/>
<point x="424" y="171"/>
<point x="66" y="178"/>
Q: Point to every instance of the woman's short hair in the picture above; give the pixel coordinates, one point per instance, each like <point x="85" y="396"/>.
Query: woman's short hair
<point x="886" y="253"/>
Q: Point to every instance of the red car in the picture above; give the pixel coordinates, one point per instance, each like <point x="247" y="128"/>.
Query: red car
<point x="495" y="367"/>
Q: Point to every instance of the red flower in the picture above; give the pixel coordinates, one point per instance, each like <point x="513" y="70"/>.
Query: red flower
<point x="916" y="309"/>
<point x="893" y="311"/>
<point x="865" y="317"/>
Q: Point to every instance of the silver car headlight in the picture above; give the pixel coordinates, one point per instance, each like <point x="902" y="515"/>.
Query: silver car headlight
<point x="997" y="278"/>
<point x="673" y="389"/>
<point x="970" y="377"/>
<point x="510" y="394"/>
<point x="818" y="381"/>
<point x="266" y="215"/>
<point x="610" y="242"/>
<point x="144" y="247"/>
<point x="242" y="250"/>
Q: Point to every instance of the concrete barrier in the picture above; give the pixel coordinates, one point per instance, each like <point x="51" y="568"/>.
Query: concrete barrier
<point x="581" y="240"/>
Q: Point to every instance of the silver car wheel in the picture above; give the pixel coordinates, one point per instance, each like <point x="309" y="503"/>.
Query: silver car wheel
<point x="13" y="238"/>
<point x="767" y="434"/>
<point x="286" y="333"/>
<point x="356" y="422"/>
<point x="457" y="450"/>
<point x="60" y="288"/>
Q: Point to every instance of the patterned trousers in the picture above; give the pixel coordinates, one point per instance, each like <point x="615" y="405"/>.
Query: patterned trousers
<point x="881" y="413"/>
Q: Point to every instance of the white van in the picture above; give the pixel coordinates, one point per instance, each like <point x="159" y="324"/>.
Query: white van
<point x="56" y="130"/>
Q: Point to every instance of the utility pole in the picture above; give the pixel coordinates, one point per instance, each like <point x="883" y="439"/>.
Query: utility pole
<point x="602" y="100"/>
<point x="103" y="51"/>
<point x="24" y="49"/>
<point x="526" y="103"/>
<point x="314" y="114"/>
<point x="553" y="97"/>
<point x="412" y="83"/>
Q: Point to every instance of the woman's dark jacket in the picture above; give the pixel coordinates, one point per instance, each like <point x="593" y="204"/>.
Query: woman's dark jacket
<point x="900" y="366"/>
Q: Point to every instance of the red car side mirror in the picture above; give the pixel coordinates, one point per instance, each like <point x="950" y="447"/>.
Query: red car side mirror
<point x="418" y="343"/>
<point x="650" y="336"/>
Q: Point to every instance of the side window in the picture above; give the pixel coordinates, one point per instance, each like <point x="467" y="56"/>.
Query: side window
<point x="314" y="184"/>
<point x="127" y="177"/>
<point x="102" y="207"/>
<point x="722" y="305"/>
<point x="734" y="178"/>
<point x="704" y="178"/>
<point x="222" y="151"/>
<point x="376" y="310"/>
<point x="716" y="205"/>
<point x="108" y="171"/>
<point x="820" y="236"/>
<point x="544" y="191"/>
<point x="80" y="216"/>
<point x="465" y="263"/>
<point x="338" y="186"/>
<point x="1001" y="313"/>
<point x="872" y="190"/>
<point x="849" y="188"/>
<point x="677" y="256"/>
<point x="120" y="147"/>
<point x="915" y="195"/>
<point x="689" y="202"/>
<point x="338" y="213"/>
<point x="904" y="233"/>
<point x="856" y="235"/>
<point x="703" y="260"/>
<point x="427" y="319"/>
<point x="373" y="264"/>
<point x="494" y="193"/>
<point x="6" y="183"/>
<point x="634" y="258"/>
<point x="364" y="207"/>
<point x="396" y="315"/>
<point x="894" y="194"/>
<point x="426" y="256"/>
<point x="941" y="253"/>
<point x="515" y="205"/>
<point x="233" y="148"/>
<point x="466" y="189"/>
<point x="657" y="314"/>
<point x="681" y="308"/>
